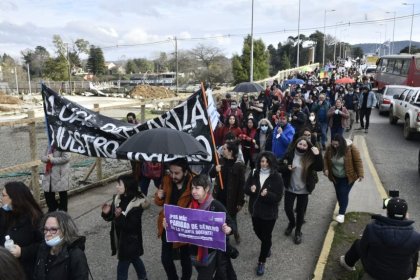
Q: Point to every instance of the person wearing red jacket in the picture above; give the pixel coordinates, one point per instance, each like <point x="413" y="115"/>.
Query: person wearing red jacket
<point x="248" y="142"/>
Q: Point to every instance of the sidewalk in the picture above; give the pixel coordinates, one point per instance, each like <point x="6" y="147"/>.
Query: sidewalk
<point x="365" y="196"/>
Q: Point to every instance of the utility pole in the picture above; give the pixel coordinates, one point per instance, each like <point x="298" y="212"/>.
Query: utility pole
<point x="29" y="79"/>
<point x="251" y="70"/>
<point x="176" y="60"/>
<point x="17" y="83"/>
<point x="298" y="40"/>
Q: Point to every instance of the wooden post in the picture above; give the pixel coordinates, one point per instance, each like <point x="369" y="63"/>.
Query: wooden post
<point x="34" y="149"/>
<point x="98" y="160"/>
<point x="143" y="113"/>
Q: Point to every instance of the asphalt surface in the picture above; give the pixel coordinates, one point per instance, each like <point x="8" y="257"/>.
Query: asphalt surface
<point x="288" y="261"/>
<point x="395" y="160"/>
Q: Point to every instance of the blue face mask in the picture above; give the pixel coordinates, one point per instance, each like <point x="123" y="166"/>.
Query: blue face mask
<point x="7" y="207"/>
<point x="54" y="241"/>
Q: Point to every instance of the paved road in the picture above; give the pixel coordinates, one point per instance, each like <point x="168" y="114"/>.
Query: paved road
<point x="395" y="160"/>
<point x="288" y="261"/>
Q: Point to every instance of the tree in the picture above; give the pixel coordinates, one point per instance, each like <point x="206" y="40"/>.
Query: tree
<point x="96" y="61"/>
<point x="414" y="49"/>
<point x="143" y="65"/>
<point x="56" y="69"/>
<point x="241" y="64"/>
<point x="37" y="60"/>
<point x="285" y="62"/>
<point x="131" y="67"/>
<point x="357" y="52"/>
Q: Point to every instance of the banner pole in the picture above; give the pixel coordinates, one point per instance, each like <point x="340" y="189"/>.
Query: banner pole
<point x="216" y="156"/>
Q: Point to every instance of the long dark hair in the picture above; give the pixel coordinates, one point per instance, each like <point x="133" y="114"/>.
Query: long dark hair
<point x="271" y="159"/>
<point x="308" y="157"/>
<point x="130" y="185"/>
<point x="342" y="145"/>
<point x="23" y="203"/>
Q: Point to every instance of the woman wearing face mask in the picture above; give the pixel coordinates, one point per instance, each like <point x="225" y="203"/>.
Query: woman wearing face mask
<point x="343" y="166"/>
<point x="19" y="218"/>
<point x="315" y="129"/>
<point x="263" y="136"/>
<point x="265" y="189"/>
<point x="62" y="255"/>
<point x="299" y="169"/>
<point x="126" y="228"/>
<point x="338" y="117"/>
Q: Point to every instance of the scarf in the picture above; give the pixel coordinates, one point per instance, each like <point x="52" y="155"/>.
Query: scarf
<point x="202" y="252"/>
<point x="49" y="165"/>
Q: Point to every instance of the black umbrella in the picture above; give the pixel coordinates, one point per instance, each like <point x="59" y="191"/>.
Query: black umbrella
<point x="248" y="87"/>
<point x="162" y="141"/>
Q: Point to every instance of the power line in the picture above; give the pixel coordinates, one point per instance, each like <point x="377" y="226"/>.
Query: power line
<point x="345" y="24"/>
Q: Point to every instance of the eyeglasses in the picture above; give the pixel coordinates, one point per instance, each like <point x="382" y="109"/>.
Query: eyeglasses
<point x="51" y="230"/>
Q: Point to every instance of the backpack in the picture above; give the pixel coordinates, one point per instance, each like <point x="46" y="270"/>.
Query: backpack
<point x="151" y="170"/>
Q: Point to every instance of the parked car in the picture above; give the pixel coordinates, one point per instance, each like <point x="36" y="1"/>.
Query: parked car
<point x="386" y="97"/>
<point x="406" y="107"/>
<point x="370" y="71"/>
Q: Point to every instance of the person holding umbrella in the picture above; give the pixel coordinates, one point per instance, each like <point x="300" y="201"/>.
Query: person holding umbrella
<point x="175" y="190"/>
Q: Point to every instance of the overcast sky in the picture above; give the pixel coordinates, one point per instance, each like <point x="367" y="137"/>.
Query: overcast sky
<point x="104" y="23"/>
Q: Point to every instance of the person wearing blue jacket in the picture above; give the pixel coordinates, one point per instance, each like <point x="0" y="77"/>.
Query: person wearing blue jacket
<point x="367" y="101"/>
<point x="282" y="136"/>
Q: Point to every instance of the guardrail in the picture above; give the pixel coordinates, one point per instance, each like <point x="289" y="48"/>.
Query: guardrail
<point x="284" y="74"/>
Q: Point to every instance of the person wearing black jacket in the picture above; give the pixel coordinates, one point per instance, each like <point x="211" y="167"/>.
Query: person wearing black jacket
<point x="265" y="189"/>
<point x="220" y="264"/>
<point x="389" y="247"/>
<point x="263" y="136"/>
<point x="126" y="228"/>
<point x="19" y="218"/>
<point x="299" y="169"/>
<point x="62" y="254"/>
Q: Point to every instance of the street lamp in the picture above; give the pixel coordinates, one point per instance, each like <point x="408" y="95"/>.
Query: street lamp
<point x="298" y="39"/>
<point x="412" y="18"/>
<point x="335" y="39"/>
<point x="393" y="34"/>
<point x="325" y="21"/>
<point x="251" y="70"/>
<point x="379" y="45"/>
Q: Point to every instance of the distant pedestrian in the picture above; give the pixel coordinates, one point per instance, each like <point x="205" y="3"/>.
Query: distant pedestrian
<point x="56" y="178"/>
<point x="351" y="102"/>
<point x="366" y="102"/>
<point x="337" y="118"/>
<point x="299" y="169"/>
<point x="248" y="142"/>
<point x="126" y="235"/>
<point x="263" y="137"/>
<point x="264" y="187"/>
<point x="343" y="166"/>
<point x="131" y="118"/>
<point x="320" y="109"/>
<point x="282" y="136"/>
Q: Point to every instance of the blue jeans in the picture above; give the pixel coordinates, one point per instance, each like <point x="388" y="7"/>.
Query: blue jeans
<point x="122" y="269"/>
<point x="145" y="182"/>
<point x="336" y="130"/>
<point x="342" y="190"/>
<point x="324" y="128"/>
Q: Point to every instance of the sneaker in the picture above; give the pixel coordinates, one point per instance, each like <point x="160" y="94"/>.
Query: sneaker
<point x="359" y="128"/>
<point x="366" y="131"/>
<point x="340" y="218"/>
<point x="345" y="265"/>
<point x="260" y="269"/>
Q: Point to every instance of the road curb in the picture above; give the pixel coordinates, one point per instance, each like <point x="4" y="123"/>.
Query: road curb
<point x="360" y="143"/>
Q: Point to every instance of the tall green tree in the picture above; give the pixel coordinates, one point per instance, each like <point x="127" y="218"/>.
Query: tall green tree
<point x="96" y="61"/>
<point x="241" y="64"/>
<point x="357" y="52"/>
<point x="143" y="65"/>
<point x="36" y="59"/>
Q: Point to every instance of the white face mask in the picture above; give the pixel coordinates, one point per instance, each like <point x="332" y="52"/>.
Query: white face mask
<point x="54" y="241"/>
<point x="264" y="128"/>
<point x="311" y="118"/>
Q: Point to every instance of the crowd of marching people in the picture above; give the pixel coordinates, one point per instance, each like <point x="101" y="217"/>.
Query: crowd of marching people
<point x="271" y="145"/>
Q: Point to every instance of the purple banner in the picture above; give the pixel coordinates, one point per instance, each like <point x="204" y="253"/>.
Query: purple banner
<point x="198" y="227"/>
